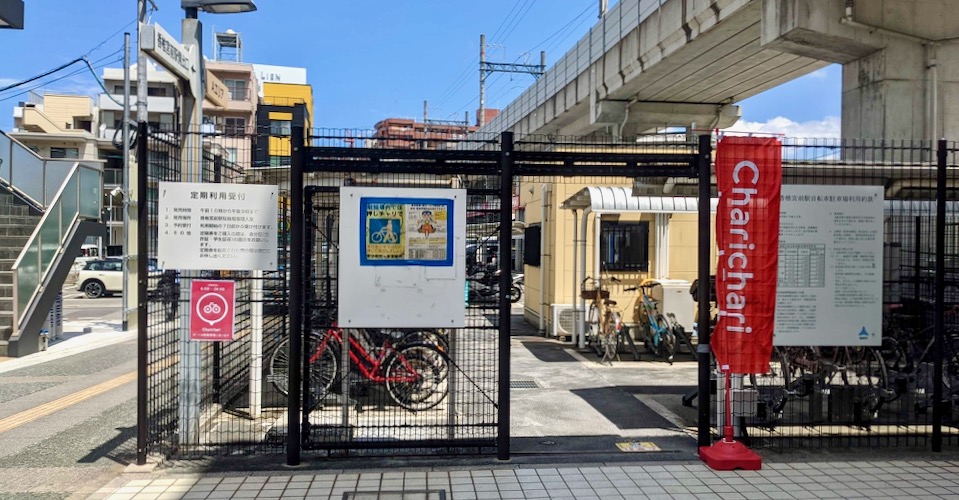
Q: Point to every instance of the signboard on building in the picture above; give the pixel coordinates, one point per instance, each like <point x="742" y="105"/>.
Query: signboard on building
<point x="217" y="226"/>
<point x="216" y="91"/>
<point x="830" y="266"/>
<point x="165" y="50"/>
<point x="212" y="310"/>
<point x="404" y="250"/>
<point x="266" y="73"/>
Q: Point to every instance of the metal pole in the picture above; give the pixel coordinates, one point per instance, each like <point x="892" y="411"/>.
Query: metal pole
<point x="703" y="354"/>
<point x="480" y="119"/>
<point x="940" y="297"/>
<point x="917" y="263"/>
<point x="125" y="306"/>
<point x="296" y="295"/>
<point x="505" y="235"/>
<point x="141" y="274"/>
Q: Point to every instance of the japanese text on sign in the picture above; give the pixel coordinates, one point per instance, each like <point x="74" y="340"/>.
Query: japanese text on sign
<point x="217" y="226"/>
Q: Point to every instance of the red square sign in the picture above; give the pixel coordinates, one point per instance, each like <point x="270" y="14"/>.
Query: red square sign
<point x="212" y="309"/>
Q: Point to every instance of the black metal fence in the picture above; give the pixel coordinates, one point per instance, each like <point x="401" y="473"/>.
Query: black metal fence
<point x="294" y="380"/>
<point x="857" y="395"/>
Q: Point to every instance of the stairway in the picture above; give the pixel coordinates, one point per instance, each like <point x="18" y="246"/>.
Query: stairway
<point x="16" y="225"/>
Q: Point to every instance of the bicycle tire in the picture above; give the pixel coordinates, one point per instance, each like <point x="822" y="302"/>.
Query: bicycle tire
<point x="772" y="387"/>
<point x="428" y="371"/>
<point x="592" y="323"/>
<point x="805" y="369"/>
<point x="323" y="371"/>
<point x="867" y="370"/>
<point x="669" y="345"/>
<point x="376" y="237"/>
<point x="611" y="339"/>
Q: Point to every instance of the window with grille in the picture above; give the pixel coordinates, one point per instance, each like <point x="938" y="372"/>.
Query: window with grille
<point x="624" y="246"/>
<point x="234" y="126"/>
<point x="238" y="89"/>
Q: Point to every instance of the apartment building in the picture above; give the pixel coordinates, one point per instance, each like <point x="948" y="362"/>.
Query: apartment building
<point x="57" y="125"/>
<point x="232" y="126"/>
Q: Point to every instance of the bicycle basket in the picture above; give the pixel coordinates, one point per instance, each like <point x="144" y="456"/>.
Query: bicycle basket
<point x="588" y="291"/>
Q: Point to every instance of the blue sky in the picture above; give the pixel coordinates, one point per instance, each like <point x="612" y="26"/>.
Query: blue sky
<point x="370" y="59"/>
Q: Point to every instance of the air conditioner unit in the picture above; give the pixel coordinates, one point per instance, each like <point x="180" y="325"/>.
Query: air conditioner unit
<point x="564" y="320"/>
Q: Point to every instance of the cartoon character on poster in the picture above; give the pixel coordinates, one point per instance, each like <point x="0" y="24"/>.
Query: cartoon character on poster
<point x="427" y="223"/>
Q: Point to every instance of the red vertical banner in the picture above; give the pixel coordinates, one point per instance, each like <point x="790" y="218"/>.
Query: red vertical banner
<point x="749" y="178"/>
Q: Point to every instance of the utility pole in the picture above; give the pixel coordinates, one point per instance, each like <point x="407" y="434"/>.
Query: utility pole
<point x="602" y="8"/>
<point x="482" y="100"/>
<point x="125" y="306"/>
<point x="488" y="68"/>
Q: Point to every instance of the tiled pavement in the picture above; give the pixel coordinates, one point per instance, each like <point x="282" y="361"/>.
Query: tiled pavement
<point x="886" y="479"/>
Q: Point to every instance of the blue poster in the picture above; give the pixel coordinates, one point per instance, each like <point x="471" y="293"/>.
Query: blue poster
<point x="406" y="232"/>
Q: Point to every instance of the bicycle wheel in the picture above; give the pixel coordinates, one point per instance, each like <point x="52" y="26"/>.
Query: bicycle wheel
<point x="417" y="377"/>
<point x="323" y="369"/>
<point x="611" y="339"/>
<point x="772" y="386"/>
<point x="592" y="327"/>
<point x="900" y="371"/>
<point x="376" y="237"/>
<point x="867" y="372"/>
<point x="669" y="342"/>
<point x="805" y="369"/>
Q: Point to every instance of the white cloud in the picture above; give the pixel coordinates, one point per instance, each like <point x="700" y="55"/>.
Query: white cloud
<point x="818" y="74"/>
<point x="7" y="81"/>
<point x="827" y="128"/>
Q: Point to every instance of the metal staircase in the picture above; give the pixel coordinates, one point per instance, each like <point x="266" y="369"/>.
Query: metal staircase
<point x="48" y="208"/>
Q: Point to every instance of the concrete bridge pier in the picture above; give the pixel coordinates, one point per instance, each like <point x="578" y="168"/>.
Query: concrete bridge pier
<point x="900" y="60"/>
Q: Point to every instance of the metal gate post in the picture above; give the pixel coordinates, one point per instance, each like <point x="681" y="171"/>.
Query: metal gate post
<point x="143" y="345"/>
<point x="296" y="295"/>
<point x="702" y="349"/>
<point x="505" y="265"/>
<point x="940" y="296"/>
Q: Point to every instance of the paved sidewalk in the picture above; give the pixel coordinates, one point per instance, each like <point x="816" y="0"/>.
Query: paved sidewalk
<point x="881" y="479"/>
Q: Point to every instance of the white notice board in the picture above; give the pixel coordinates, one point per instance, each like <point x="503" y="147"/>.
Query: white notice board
<point x="217" y="226"/>
<point x="829" y="291"/>
<point x="402" y="258"/>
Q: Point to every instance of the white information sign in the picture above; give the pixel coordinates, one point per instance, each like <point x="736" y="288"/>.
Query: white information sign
<point x="404" y="251"/>
<point x="829" y="291"/>
<point x="164" y="49"/>
<point x="217" y="226"/>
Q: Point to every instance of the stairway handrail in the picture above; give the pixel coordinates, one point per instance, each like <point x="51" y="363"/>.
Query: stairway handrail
<point x="11" y="172"/>
<point x="36" y="243"/>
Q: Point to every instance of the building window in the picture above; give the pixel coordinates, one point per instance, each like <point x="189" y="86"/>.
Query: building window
<point x="280" y="128"/>
<point x="624" y="246"/>
<point x="64" y="153"/>
<point x="531" y="245"/>
<point x="279" y="161"/>
<point x="156" y="91"/>
<point x="234" y="126"/>
<point x="239" y="91"/>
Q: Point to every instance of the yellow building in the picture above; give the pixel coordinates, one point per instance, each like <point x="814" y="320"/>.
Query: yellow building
<point x="282" y="106"/>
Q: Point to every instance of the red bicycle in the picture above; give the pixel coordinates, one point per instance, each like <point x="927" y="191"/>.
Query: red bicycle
<point x="413" y="365"/>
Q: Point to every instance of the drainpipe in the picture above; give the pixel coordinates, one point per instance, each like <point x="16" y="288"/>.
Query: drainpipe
<point x="543" y="306"/>
<point x="576" y="328"/>
<point x="933" y="68"/>
<point x="597" y="233"/>
<point x="582" y="265"/>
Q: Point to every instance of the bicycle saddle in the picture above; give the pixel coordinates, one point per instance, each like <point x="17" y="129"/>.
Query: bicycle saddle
<point x="611" y="302"/>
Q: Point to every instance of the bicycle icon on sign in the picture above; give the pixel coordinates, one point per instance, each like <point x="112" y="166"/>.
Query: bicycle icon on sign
<point x="385" y="234"/>
<point x="212" y="308"/>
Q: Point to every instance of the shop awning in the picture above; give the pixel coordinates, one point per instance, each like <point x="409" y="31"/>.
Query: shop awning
<point x="619" y="199"/>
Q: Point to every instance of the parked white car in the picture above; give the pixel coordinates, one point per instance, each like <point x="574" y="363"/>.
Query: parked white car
<point x="100" y="278"/>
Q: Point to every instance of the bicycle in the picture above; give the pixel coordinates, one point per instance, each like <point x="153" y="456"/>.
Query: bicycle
<point x="659" y="334"/>
<point x="413" y="365"/>
<point x="604" y="321"/>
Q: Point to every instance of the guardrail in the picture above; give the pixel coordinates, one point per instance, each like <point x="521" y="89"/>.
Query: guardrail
<point x="33" y="178"/>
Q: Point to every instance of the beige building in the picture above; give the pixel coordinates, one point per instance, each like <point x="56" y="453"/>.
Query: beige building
<point x="600" y="228"/>
<point x="234" y="125"/>
<point x="57" y="125"/>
